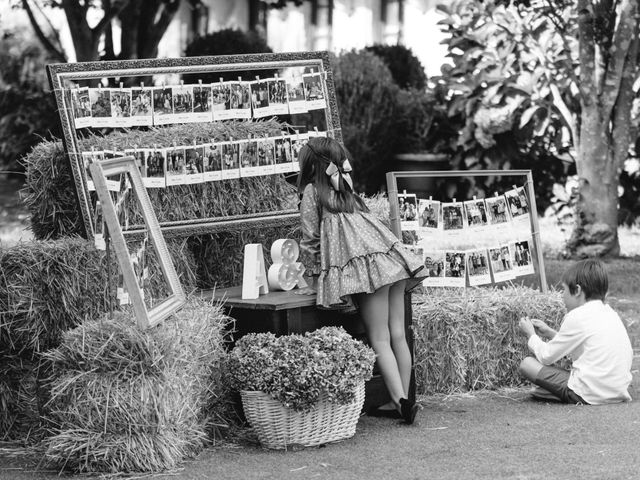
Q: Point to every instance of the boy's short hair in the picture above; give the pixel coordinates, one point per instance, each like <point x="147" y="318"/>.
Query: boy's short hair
<point x="592" y="277"/>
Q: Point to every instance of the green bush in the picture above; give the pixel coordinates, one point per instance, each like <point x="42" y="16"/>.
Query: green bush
<point x="405" y="67"/>
<point x="227" y="42"/>
<point x="368" y="104"/>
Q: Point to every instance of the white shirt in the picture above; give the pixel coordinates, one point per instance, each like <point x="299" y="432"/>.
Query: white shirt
<point x="599" y="345"/>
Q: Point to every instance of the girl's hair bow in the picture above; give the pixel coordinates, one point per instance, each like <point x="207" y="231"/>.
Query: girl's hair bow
<point x="334" y="174"/>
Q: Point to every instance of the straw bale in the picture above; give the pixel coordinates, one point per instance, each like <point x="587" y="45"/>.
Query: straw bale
<point x="125" y="400"/>
<point x="467" y="339"/>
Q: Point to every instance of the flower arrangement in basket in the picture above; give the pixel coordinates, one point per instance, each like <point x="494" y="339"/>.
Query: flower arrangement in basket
<point x="301" y="389"/>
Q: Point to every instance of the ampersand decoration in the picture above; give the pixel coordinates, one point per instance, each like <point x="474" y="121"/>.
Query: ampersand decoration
<point x="286" y="272"/>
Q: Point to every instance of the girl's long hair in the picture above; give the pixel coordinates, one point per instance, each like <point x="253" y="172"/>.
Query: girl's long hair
<point x="314" y="158"/>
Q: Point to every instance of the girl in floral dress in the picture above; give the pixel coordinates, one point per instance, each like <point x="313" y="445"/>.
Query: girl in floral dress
<point x="355" y="260"/>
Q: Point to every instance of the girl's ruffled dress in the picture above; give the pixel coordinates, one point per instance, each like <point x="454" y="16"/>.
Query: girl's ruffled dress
<point x="352" y="253"/>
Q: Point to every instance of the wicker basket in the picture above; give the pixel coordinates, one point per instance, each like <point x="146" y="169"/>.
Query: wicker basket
<point x="280" y="427"/>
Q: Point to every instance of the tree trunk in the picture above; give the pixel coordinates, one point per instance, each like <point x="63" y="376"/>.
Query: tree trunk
<point x="596" y="232"/>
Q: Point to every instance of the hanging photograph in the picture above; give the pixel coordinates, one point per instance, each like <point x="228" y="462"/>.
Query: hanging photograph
<point x="219" y="94"/>
<point x="121" y="107"/>
<point x="249" y="158"/>
<point x="155" y="169"/>
<point x="260" y="99"/>
<point x="139" y="155"/>
<point x="194" y="164"/>
<point x="452" y="216"/>
<point x="314" y="91"/>
<point x="230" y="160"/>
<point x="434" y="263"/>
<point x="182" y="98"/>
<point x="266" y="156"/>
<point x="100" y="99"/>
<point x="428" y="214"/>
<point x="278" y="96"/>
<point x="476" y="213"/>
<point x="478" y="267"/>
<point x="162" y="105"/>
<point x="501" y="266"/>
<point x="176" y="166"/>
<point x="497" y="209"/>
<point x="521" y="258"/>
<point x="202" y="103"/>
<point x="295" y="95"/>
<point x="283" y="155"/>
<point x="298" y="140"/>
<point x="238" y="101"/>
<point x="213" y="162"/>
<point x="81" y="105"/>
<point x="408" y="211"/>
<point x="455" y="269"/>
<point x="141" y="107"/>
<point x="517" y="201"/>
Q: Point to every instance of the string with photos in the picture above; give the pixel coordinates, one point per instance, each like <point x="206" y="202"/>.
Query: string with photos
<point x="479" y="241"/>
<point x="100" y="107"/>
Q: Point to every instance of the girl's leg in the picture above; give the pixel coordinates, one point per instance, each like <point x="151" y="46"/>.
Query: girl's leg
<point x="397" y="331"/>
<point x="374" y="308"/>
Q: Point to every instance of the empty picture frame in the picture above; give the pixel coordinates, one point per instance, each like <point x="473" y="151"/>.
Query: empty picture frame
<point x="126" y="165"/>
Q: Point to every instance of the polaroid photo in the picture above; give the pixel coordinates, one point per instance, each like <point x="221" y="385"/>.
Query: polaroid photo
<point x="266" y="156"/>
<point x="497" y="210"/>
<point x="408" y="211"/>
<point x="238" y="100"/>
<point x="519" y="209"/>
<point x="260" y="98"/>
<point x="429" y="214"/>
<point x="452" y="216"/>
<point x="278" y="96"/>
<point x="155" y="168"/>
<point x="99" y="228"/>
<point x="121" y="107"/>
<point x="219" y="94"/>
<point x="297" y="101"/>
<point x="212" y="162"/>
<point x="162" y="105"/>
<point x="141" y="106"/>
<point x="194" y="164"/>
<point x="230" y="160"/>
<point x="176" y="166"/>
<point x="455" y="268"/>
<point x="314" y="93"/>
<point x="478" y="267"/>
<point x="298" y="140"/>
<point x="100" y="99"/>
<point x="139" y="154"/>
<point x="434" y="264"/>
<point x="476" y="213"/>
<point x="249" y="158"/>
<point x="521" y="257"/>
<point x="283" y="155"/>
<point x="412" y="239"/>
<point x="81" y="105"/>
<point x="501" y="265"/>
<point x="202" y="104"/>
<point x="182" y="98"/>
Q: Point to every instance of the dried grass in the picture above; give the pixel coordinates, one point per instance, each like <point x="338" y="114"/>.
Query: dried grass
<point x="126" y="400"/>
<point x="468" y="340"/>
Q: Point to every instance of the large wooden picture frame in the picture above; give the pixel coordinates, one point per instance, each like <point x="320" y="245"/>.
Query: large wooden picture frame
<point x="392" y="189"/>
<point x="64" y="77"/>
<point x="126" y="165"/>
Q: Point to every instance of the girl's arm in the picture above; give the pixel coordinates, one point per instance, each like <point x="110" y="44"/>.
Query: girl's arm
<point x="310" y="223"/>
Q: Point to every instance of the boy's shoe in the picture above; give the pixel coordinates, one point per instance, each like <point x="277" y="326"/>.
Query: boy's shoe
<point x="409" y="410"/>
<point x="540" y="393"/>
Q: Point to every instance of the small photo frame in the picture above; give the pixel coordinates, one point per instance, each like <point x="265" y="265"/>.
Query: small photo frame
<point x="429" y="214"/>
<point x="408" y="211"/>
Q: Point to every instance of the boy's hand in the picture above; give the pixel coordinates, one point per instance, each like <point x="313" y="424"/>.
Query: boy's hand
<point x="544" y="329"/>
<point x="526" y="327"/>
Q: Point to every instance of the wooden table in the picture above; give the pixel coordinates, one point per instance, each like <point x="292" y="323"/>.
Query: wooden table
<point x="283" y="313"/>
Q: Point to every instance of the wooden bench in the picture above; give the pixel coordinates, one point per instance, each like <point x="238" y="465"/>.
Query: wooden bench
<point x="283" y="313"/>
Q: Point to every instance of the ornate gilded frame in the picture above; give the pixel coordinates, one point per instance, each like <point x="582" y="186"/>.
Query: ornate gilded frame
<point x="126" y="165"/>
<point x="63" y="76"/>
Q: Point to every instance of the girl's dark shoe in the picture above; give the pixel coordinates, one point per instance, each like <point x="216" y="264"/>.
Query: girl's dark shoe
<point x="409" y="410"/>
<point x="384" y="412"/>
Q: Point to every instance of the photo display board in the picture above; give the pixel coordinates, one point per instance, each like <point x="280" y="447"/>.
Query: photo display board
<point x="472" y="241"/>
<point x="200" y="129"/>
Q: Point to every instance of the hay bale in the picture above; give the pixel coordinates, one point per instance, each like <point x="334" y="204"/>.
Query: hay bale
<point x="467" y="339"/>
<point x="126" y="400"/>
